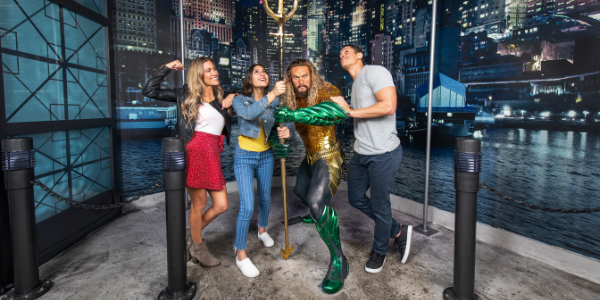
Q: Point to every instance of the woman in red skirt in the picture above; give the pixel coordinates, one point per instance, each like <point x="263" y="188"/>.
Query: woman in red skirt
<point x="204" y="121"/>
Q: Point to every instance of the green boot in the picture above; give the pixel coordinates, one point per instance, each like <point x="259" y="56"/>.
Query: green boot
<point x="328" y="228"/>
<point x="308" y="219"/>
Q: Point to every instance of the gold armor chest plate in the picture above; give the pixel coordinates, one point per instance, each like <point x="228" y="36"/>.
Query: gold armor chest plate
<point x="316" y="138"/>
<point x="320" y="141"/>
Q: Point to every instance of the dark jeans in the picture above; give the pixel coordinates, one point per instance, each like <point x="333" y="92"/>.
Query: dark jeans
<point x="377" y="172"/>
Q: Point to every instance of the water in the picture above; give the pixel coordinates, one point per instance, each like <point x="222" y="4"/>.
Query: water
<point x="548" y="168"/>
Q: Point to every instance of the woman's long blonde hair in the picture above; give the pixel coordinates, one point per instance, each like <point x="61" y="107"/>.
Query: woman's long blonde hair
<point x="196" y="87"/>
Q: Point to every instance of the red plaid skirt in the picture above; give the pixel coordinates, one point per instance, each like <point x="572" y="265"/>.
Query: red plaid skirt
<point x="203" y="157"/>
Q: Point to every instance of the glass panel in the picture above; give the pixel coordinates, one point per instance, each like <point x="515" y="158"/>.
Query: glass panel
<point x="91" y="180"/>
<point x="75" y="163"/>
<point x="35" y="89"/>
<point x="51" y="170"/>
<point x="89" y="145"/>
<point x="31" y="27"/>
<point x="86" y="42"/>
<point x="22" y="102"/>
<point x="95" y="5"/>
<point x="90" y="157"/>
<point x="89" y="151"/>
<point x="88" y="97"/>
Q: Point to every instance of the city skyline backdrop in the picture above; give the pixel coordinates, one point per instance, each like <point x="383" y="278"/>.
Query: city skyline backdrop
<point x="521" y="75"/>
<point x="500" y="50"/>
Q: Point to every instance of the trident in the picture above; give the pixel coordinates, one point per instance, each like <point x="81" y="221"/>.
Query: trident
<point x="281" y="18"/>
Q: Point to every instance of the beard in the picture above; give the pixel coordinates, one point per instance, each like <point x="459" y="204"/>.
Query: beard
<point x="302" y="95"/>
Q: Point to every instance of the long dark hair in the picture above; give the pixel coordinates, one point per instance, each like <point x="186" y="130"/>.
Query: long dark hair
<point x="247" y="86"/>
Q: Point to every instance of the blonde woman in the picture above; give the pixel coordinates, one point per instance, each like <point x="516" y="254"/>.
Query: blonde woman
<point x="204" y="121"/>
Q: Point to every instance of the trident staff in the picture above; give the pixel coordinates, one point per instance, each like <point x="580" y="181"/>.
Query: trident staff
<point x="281" y="18"/>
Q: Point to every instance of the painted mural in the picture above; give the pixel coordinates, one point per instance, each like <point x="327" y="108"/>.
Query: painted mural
<point x="521" y="75"/>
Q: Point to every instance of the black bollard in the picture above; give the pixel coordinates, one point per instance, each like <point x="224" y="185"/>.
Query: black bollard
<point x="467" y="165"/>
<point x="6" y="260"/>
<point x="174" y="167"/>
<point x="18" y="160"/>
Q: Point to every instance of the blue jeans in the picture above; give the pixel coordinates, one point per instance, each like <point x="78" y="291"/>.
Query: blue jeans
<point x="377" y="172"/>
<point x="245" y="165"/>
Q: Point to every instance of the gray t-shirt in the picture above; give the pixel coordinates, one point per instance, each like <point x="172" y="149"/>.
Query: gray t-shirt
<point x="376" y="135"/>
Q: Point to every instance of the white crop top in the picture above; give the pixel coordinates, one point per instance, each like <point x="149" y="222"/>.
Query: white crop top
<point x="209" y="120"/>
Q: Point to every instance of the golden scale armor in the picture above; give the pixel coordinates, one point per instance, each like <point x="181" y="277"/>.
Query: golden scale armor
<point x="320" y="141"/>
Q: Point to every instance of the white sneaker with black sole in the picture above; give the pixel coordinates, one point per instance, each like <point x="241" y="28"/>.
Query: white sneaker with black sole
<point x="375" y="262"/>
<point x="403" y="241"/>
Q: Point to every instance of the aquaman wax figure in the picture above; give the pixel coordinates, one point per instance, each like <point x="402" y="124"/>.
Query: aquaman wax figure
<point x="307" y="103"/>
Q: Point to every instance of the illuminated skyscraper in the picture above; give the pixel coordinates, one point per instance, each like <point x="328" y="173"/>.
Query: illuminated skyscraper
<point x="382" y="51"/>
<point x="393" y="23"/>
<point x="407" y="17"/>
<point x="490" y="11"/>
<point x="135" y="25"/>
<point x="251" y="25"/>
<point x="215" y="16"/>
<point x="315" y="28"/>
<point x="516" y="14"/>
<point x="240" y="62"/>
<point x="368" y="19"/>
<point x="216" y="11"/>
<point x="360" y="19"/>
<point x="293" y="46"/>
<point x="338" y="24"/>
<point x="469" y="13"/>
<point x="202" y="43"/>
<point x="535" y="7"/>
<point x="315" y="25"/>
<point x="422" y="25"/>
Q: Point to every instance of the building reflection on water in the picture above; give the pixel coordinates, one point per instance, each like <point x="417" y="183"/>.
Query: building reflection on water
<point x="559" y="169"/>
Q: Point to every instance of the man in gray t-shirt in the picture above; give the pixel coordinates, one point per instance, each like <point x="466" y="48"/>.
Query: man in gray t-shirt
<point x="377" y="153"/>
<point x="374" y="135"/>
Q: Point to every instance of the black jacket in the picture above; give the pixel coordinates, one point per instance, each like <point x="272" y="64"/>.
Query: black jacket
<point x="182" y="129"/>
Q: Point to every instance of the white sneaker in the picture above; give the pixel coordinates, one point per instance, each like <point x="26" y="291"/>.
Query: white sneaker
<point x="266" y="239"/>
<point x="247" y="267"/>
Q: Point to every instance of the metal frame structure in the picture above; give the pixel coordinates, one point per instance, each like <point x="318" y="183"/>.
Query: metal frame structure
<point x="423" y="229"/>
<point x="6" y="264"/>
<point x="60" y="231"/>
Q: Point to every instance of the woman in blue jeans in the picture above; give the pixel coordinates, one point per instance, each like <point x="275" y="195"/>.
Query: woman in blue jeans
<point x="253" y="155"/>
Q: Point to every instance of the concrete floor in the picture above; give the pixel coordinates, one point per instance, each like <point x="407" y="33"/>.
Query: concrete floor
<point x="126" y="259"/>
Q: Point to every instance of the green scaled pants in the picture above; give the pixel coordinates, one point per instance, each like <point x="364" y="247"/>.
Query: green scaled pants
<point x="329" y="230"/>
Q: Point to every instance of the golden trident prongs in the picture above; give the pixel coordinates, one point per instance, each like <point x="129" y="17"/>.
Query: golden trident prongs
<point x="281" y="18"/>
